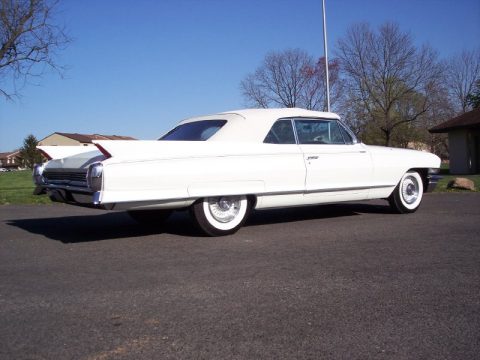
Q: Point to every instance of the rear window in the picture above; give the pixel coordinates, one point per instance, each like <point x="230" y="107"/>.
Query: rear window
<point x="194" y="131"/>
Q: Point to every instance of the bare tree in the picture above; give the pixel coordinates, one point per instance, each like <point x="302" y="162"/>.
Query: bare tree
<point x="440" y="111"/>
<point x="291" y="78"/>
<point x="473" y="98"/>
<point x="463" y="71"/>
<point x="29" y="40"/>
<point x="314" y="95"/>
<point x="387" y="76"/>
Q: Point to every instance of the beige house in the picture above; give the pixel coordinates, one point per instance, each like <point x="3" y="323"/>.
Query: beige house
<point x="10" y="160"/>
<point x="68" y="139"/>
<point x="463" y="142"/>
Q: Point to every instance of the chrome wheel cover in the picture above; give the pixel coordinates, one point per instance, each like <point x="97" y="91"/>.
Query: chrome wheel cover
<point x="224" y="209"/>
<point x="410" y="189"/>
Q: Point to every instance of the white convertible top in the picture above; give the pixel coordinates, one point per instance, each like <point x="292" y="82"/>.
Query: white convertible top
<point x="252" y="125"/>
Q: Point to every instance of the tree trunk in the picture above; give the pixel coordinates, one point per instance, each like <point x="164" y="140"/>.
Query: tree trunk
<point x="387" y="137"/>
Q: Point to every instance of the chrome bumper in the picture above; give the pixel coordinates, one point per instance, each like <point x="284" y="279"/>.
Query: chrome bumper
<point x="70" y="195"/>
<point x="432" y="182"/>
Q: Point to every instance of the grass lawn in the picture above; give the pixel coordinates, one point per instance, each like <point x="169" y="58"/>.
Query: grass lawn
<point x="442" y="184"/>
<point x="17" y="188"/>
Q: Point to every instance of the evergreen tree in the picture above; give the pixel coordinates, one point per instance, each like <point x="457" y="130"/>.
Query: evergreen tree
<point x="29" y="153"/>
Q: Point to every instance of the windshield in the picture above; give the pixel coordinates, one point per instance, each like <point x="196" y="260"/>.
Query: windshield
<point x="194" y="131"/>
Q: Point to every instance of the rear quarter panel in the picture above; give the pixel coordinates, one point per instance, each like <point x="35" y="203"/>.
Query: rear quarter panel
<point x="266" y="168"/>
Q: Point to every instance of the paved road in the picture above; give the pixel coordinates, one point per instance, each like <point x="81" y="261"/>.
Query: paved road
<point x="347" y="281"/>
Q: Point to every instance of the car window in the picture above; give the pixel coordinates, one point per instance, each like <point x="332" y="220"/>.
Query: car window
<point x="194" y="131"/>
<point x="346" y="136"/>
<point x="281" y="133"/>
<point x="310" y="131"/>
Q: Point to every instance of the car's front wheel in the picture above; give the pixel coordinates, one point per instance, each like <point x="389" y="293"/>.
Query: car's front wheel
<point x="221" y="215"/>
<point x="407" y="196"/>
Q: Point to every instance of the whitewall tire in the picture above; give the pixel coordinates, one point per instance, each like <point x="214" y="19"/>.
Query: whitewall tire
<point x="221" y="215"/>
<point x="407" y="196"/>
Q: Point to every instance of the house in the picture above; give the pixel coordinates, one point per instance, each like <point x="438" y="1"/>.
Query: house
<point x="10" y="160"/>
<point x="68" y="139"/>
<point x="464" y="142"/>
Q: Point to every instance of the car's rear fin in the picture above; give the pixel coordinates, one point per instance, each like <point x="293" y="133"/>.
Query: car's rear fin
<point x="103" y="151"/>
<point x="61" y="152"/>
<point x="45" y="154"/>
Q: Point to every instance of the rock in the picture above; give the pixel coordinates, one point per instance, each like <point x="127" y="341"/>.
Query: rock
<point x="461" y="183"/>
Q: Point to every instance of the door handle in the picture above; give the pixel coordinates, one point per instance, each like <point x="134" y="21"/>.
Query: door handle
<point x="312" y="158"/>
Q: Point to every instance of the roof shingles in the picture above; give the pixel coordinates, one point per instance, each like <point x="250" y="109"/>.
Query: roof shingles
<point x="87" y="138"/>
<point x="470" y="119"/>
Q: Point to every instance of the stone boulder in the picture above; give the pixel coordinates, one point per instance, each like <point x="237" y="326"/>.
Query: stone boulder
<point x="461" y="183"/>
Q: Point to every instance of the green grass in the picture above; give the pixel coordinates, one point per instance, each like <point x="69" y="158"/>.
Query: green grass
<point x="17" y="188"/>
<point x="442" y="184"/>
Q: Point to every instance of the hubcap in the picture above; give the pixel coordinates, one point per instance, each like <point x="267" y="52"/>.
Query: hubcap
<point x="224" y="209"/>
<point x="410" y="190"/>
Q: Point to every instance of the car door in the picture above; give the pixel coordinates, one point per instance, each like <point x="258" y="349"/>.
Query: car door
<point x="336" y="165"/>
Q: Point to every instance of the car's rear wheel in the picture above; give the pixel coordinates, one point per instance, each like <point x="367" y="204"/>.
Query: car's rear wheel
<point x="150" y="217"/>
<point x="407" y="196"/>
<point x="221" y="215"/>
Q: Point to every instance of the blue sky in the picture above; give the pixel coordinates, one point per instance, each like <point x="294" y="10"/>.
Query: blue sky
<point x="138" y="67"/>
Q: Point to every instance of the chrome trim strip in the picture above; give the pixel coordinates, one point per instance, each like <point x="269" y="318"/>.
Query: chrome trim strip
<point x="348" y="189"/>
<point x="349" y="132"/>
<point x="292" y="120"/>
<point x="297" y="192"/>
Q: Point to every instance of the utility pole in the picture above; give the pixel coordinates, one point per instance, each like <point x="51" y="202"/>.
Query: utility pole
<point x="327" y="85"/>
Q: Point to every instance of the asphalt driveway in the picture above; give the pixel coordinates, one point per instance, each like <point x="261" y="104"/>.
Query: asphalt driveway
<point x="350" y="281"/>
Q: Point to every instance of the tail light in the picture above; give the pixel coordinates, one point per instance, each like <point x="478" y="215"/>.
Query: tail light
<point x="95" y="176"/>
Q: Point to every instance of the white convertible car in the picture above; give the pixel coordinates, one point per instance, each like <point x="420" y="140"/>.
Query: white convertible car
<point x="221" y="166"/>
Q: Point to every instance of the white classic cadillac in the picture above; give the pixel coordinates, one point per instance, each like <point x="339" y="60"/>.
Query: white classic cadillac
<point x="221" y="166"/>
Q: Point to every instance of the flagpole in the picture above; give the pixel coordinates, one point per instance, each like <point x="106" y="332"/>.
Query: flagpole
<point x="326" y="55"/>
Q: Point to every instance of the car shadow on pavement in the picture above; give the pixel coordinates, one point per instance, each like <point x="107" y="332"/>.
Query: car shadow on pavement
<point x="293" y="214"/>
<point x="118" y="225"/>
<point x="108" y="226"/>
